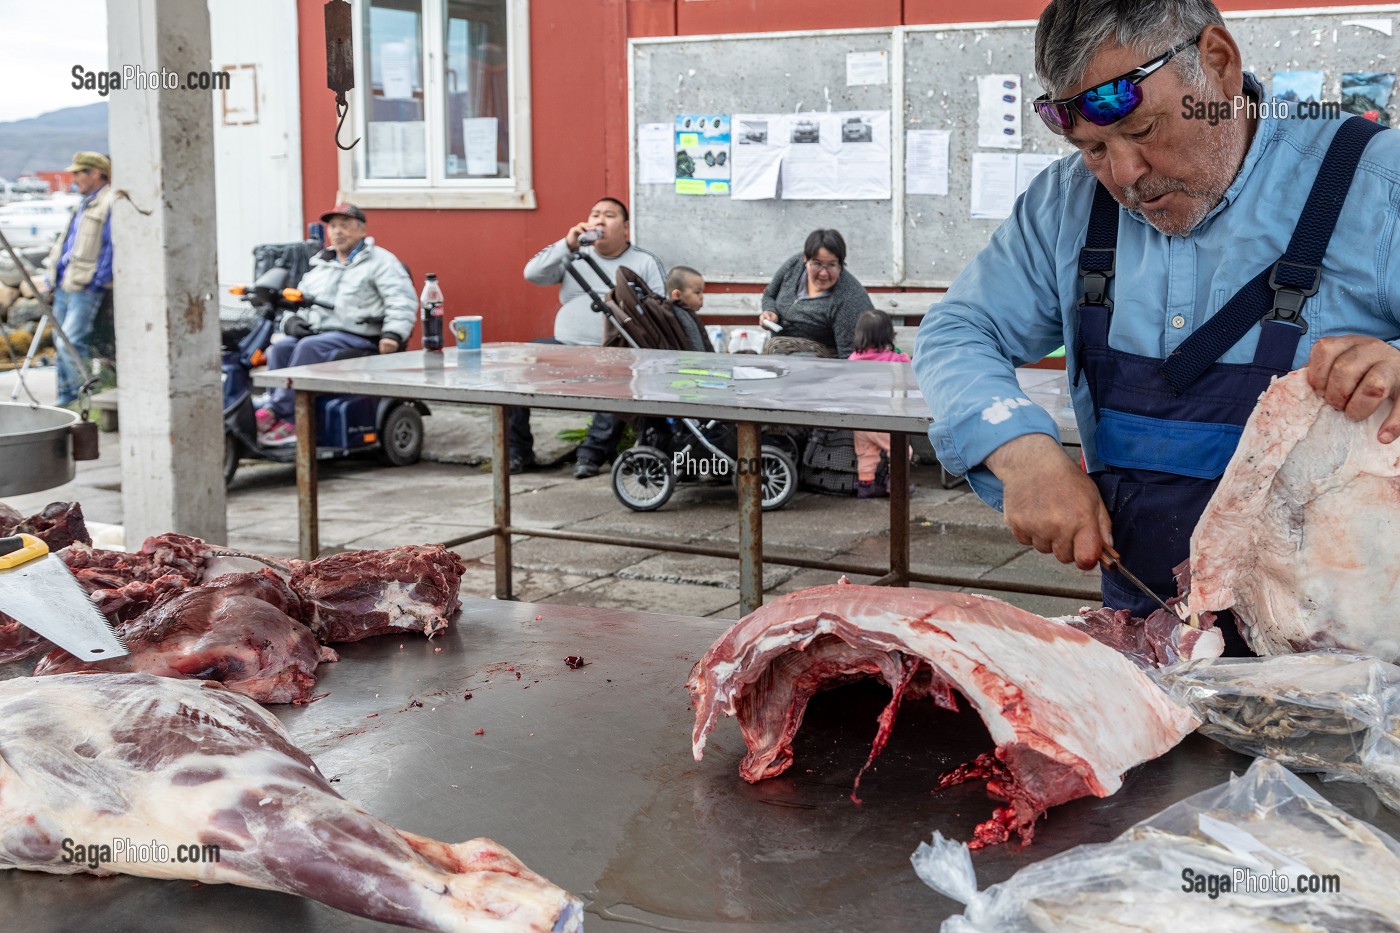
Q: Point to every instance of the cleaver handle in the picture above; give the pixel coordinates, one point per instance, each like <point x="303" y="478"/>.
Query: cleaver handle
<point x="20" y="549"/>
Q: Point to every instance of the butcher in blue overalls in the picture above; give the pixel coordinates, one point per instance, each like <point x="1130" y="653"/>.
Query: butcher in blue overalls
<point x="1187" y="252"/>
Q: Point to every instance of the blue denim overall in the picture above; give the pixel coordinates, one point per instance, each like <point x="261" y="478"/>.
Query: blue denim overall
<point x="1167" y="428"/>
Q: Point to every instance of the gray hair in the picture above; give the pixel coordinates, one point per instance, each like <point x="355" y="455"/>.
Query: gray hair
<point x="1071" y="33"/>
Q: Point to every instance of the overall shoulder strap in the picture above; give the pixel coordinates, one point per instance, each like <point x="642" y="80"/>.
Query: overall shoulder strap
<point x="1278" y="292"/>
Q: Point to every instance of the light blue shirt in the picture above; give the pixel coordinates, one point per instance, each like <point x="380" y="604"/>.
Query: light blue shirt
<point x="1017" y="300"/>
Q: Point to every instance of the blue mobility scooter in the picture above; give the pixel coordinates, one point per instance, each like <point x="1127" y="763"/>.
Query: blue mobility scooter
<point x="345" y="424"/>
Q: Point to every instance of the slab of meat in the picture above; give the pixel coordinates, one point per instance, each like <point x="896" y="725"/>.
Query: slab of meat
<point x="239" y="630"/>
<point x="1068" y="714"/>
<point x="100" y="757"/>
<point x="362" y="593"/>
<point x="1302" y="537"/>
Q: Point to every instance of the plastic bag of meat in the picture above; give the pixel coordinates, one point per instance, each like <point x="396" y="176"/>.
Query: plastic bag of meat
<point x="1302" y="537"/>
<point x="1068" y="714"/>
<point x="1332" y="712"/>
<point x="1263" y="852"/>
<point x="99" y="757"/>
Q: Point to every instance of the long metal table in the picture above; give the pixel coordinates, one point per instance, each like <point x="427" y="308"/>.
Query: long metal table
<point x="587" y="776"/>
<point x="749" y="390"/>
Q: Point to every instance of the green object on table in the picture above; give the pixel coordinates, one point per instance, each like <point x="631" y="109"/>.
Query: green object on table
<point x="1056" y="354"/>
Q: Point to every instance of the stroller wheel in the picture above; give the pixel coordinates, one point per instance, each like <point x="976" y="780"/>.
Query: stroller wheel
<point x="779" y="477"/>
<point x="642" y="479"/>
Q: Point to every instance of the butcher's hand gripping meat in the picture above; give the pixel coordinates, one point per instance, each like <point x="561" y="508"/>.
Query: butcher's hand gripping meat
<point x="1302" y="537"/>
<point x="362" y="593"/>
<point x="240" y="630"/>
<point x="99" y="757"/>
<point x="1068" y="714"/>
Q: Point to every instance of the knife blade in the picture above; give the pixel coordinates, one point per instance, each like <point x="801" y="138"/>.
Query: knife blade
<point x="41" y="593"/>
<point x="1112" y="561"/>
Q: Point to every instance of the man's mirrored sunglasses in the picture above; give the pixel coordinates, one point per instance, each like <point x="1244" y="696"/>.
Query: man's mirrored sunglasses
<point x="1106" y="103"/>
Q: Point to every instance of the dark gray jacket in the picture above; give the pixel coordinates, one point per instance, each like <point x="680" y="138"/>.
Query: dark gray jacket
<point x="830" y="319"/>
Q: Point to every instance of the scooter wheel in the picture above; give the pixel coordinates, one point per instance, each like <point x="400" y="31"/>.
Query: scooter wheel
<point x="401" y="436"/>
<point x="231" y="457"/>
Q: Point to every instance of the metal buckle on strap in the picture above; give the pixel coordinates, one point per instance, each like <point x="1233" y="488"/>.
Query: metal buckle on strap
<point x="1094" y="281"/>
<point x="1289" y="299"/>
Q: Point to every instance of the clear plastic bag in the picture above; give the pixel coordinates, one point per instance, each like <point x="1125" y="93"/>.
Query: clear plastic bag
<point x="1333" y="712"/>
<point x="1252" y="835"/>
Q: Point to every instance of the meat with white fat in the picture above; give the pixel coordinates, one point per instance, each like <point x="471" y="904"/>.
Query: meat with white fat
<point x="357" y="594"/>
<point x="1068" y="715"/>
<point x="1302" y="538"/>
<point x="100" y="757"/>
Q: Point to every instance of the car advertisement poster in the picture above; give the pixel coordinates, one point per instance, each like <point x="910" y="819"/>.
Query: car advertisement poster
<point x="812" y="156"/>
<point x="702" y="153"/>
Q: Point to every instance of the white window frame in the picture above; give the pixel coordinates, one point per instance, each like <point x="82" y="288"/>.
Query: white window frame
<point x="438" y="192"/>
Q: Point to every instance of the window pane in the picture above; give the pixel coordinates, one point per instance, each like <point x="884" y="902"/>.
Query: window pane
<point x="477" y="90"/>
<point x="396" y="146"/>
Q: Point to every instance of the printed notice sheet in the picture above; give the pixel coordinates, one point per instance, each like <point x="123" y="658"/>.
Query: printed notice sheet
<point x="926" y="162"/>
<point x="993" y="184"/>
<point x="656" y="160"/>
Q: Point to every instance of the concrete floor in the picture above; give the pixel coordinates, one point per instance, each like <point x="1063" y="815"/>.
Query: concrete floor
<point x="366" y="505"/>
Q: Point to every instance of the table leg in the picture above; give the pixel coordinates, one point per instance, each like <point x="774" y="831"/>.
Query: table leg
<point x="750" y="518"/>
<point x="308" y="522"/>
<point x="500" y="498"/>
<point x="899" y="509"/>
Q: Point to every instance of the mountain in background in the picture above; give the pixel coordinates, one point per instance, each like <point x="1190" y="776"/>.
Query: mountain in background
<point x="46" y="143"/>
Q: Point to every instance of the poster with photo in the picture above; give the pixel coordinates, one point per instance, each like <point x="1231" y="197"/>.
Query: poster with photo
<point x="702" y="153"/>
<point x="1298" y="87"/>
<point x="1368" y="93"/>
<point x="812" y="156"/>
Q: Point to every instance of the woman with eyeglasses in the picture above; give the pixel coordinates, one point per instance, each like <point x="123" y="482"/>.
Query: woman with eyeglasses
<point x="815" y="301"/>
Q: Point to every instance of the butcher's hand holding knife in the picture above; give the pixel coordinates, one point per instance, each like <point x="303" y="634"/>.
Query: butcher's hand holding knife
<point x="1053" y="506"/>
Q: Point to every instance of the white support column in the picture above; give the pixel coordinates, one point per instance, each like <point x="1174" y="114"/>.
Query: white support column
<point x="167" y="319"/>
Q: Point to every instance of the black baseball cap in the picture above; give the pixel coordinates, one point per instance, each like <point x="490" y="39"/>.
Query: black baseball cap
<point x="344" y="209"/>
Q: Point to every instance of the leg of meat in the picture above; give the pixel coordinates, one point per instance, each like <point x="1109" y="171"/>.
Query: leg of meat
<point x="99" y="757"/>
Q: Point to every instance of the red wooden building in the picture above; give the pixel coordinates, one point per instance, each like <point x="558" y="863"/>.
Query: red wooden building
<point x="561" y="133"/>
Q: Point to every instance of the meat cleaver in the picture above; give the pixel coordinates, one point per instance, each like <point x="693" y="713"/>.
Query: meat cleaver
<point x="41" y="593"/>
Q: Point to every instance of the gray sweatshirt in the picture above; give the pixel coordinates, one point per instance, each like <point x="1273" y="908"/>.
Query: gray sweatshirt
<point x="577" y="323"/>
<point x="829" y="319"/>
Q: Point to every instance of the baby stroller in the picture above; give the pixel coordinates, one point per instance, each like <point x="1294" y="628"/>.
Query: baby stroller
<point x="675" y="450"/>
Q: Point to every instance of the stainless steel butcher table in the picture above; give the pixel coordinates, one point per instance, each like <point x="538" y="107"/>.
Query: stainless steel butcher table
<point x="587" y="776"/>
<point x="749" y="390"/>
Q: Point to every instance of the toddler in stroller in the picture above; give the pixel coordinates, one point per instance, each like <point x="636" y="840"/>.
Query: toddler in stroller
<point x="673" y="450"/>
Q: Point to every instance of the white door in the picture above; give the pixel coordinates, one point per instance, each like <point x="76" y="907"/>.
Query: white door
<point x="257" y="133"/>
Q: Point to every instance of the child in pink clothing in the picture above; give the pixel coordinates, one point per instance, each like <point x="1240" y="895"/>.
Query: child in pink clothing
<point x="874" y="340"/>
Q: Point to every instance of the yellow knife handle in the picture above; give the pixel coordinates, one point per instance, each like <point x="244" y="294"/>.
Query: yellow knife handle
<point x="20" y="549"/>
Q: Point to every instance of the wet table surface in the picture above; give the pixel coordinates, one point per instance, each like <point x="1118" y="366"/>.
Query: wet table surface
<point x="587" y="776"/>
<point x="861" y="394"/>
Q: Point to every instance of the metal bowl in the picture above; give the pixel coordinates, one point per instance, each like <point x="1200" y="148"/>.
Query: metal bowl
<point x="36" y="448"/>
